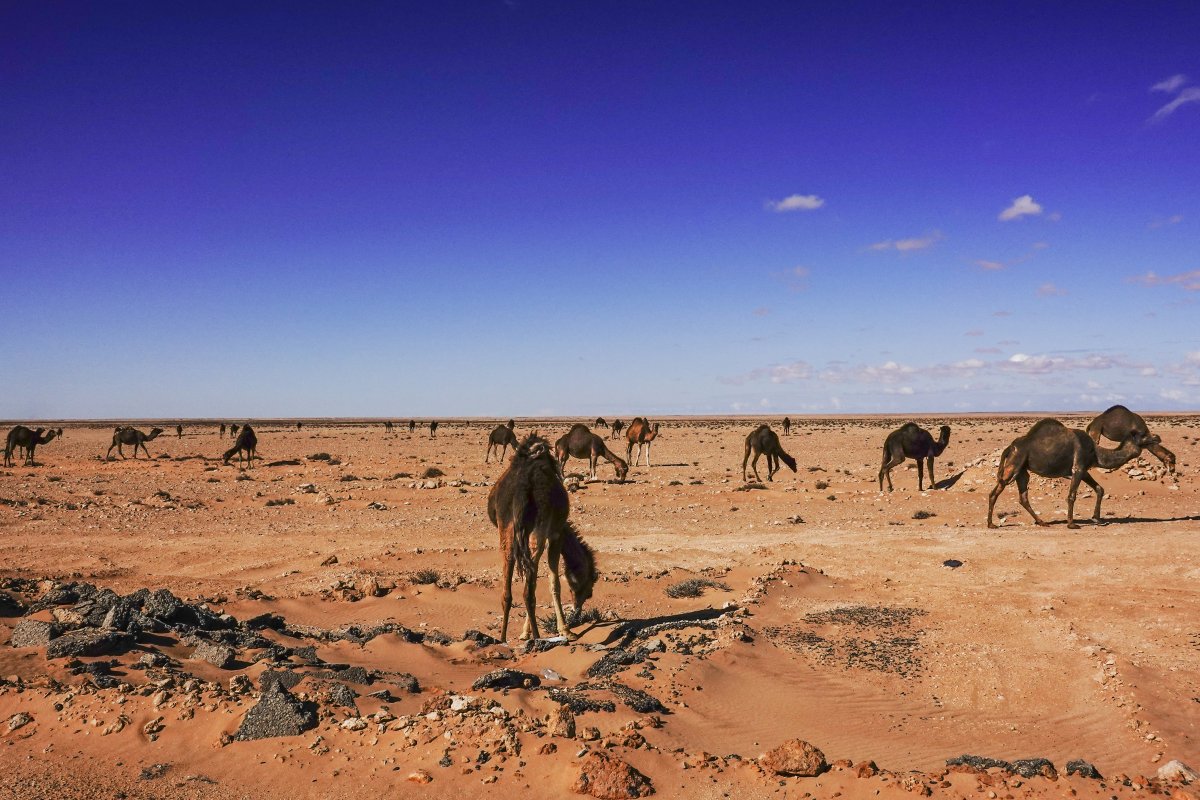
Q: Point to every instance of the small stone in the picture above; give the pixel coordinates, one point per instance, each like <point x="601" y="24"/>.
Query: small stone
<point x="420" y="776"/>
<point x="506" y="679"/>
<point x="219" y="655"/>
<point x="795" y="757"/>
<point x="19" y="720"/>
<point x="603" y="776"/>
<point x="562" y="723"/>
<point x="354" y="724"/>
<point x="329" y="562"/>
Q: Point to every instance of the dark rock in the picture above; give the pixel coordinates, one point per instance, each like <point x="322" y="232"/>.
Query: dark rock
<point x="277" y="713"/>
<point x="84" y="643"/>
<point x="162" y="605"/>
<point x="341" y="695"/>
<point x="1029" y="767"/>
<point x="580" y="703"/>
<point x="981" y="763"/>
<point x="1083" y="769"/>
<point x="952" y="563"/>
<point x="635" y="699"/>
<point x="480" y="638"/>
<point x="614" y="661"/>
<point x="506" y="679"/>
<point x="268" y="620"/>
<point x="438" y="637"/>
<point x="283" y="677"/>
<point x="33" y="633"/>
<point x="219" y="655"/>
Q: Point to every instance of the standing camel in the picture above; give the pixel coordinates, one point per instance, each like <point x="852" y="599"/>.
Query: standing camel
<point x="245" y="446"/>
<point x="529" y="507"/>
<point x="233" y="429"/>
<point x="299" y="424"/>
<point x="787" y="427"/>
<point x="178" y="431"/>
<point x="130" y="435"/>
<point x="1053" y="450"/>
<point x="502" y="437"/>
<point x="22" y="437"/>
<point x="912" y="441"/>
<point x="617" y="427"/>
<point x="412" y="426"/>
<point x="222" y="430"/>
<point x="582" y="443"/>
<point x="433" y="426"/>
<point x="641" y="434"/>
<point x="600" y="423"/>
<point x="1119" y="423"/>
<point x="764" y="441"/>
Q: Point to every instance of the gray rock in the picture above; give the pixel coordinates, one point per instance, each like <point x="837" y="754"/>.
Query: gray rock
<point x="33" y="633"/>
<point x="85" y="643"/>
<point x="277" y="713"/>
<point x="506" y="679"/>
<point x="1176" y="770"/>
<point x="219" y="655"/>
<point x="1084" y="769"/>
<point x="342" y="696"/>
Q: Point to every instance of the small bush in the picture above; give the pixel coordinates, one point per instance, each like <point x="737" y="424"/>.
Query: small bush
<point x="424" y="577"/>
<point x="320" y="457"/>
<point x="694" y="587"/>
<point x="573" y="616"/>
<point x="822" y="485"/>
<point x="432" y="472"/>
<point x="348" y="478"/>
<point x="923" y="514"/>
<point x="284" y="501"/>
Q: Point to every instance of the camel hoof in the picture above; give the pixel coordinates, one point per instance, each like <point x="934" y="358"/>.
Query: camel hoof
<point x="1042" y="524"/>
<point x="993" y="525"/>
<point x="1073" y="526"/>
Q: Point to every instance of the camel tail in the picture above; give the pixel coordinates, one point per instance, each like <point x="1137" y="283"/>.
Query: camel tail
<point x="522" y="555"/>
<point x="791" y="462"/>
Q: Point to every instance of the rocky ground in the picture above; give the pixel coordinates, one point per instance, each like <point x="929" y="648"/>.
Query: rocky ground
<point x="325" y="623"/>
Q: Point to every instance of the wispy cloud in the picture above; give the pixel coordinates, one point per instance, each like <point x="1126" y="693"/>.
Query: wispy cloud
<point x="1184" y="95"/>
<point x="1001" y="313"/>
<point x="974" y="332"/>
<point x="1170" y="85"/>
<point x="1174" y="219"/>
<point x="989" y="265"/>
<point x="762" y="311"/>
<point x="796" y="278"/>
<point x="796" y="202"/>
<point x="777" y="373"/>
<point x="909" y="245"/>
<point x="1189" y="281"/>
<point x="1023" y="206"/>
<point x="1050" y="290"/>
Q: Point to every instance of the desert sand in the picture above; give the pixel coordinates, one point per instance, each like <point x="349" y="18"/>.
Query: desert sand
<point x="891" y="628"/>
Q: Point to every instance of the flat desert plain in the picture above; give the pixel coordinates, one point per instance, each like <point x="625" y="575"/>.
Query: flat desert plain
<point x="352" y="605"/>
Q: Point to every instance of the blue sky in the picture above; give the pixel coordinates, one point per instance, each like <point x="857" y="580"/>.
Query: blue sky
<point x="224" y="209"/>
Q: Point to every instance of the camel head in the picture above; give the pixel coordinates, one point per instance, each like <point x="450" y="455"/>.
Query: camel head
<point x="581" y="572"/>
<point x="533" y="447"/>
<point x="511" y="424"/>
<point x="155" y="431"/>
<point x="622" y="470"/>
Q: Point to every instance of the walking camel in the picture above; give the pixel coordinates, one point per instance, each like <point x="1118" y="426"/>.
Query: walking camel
<point x="245" y="446"/>
<point x="787" y="427"/>
<point x="600" y="423"/>
<point x="1118" y="423"/>
<point x="123" y="435"/>
<point x="222" y="430"/>
<point x="529" y="507"/>
<point x="641" y="434"/>
<point x="617" y="427"/>
<point x="412" y="426"/>
<point x="233" y="429"/>
<point x="1053" y="450"/>
<point x="912" y="441"/>
<point x="582" y="443"/>
<point x="23" y="438"/>
<point x="501" y="438"/>
<point x="178" y="431"/>
<point x="764" y="441"/>
<point x="433" y="426"/>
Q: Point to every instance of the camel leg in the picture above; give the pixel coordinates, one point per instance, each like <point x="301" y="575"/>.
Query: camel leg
<point x="1164" y="455"/>
<point x="552" y="554"/>
<point x="1023" y="489"/>
<point x="595" y="458"/>
<point x="1001" y="482"/>
<point x="920" y="475"/>
<point x="647" y="454"/>
<point x="1071" y="493"/>
<point x="772" y="466"/>
<point x="932" y="481"/>
<point x="754" y="465"/>
<point x="1099" y="490"/>
<point x="745" y="459"/>
<point x="889" y="463"/>
<point x="488" y="454"/>
<point x="531" y="630"/>
<point x="506" y="592"/>
<point x="629" y="455"/>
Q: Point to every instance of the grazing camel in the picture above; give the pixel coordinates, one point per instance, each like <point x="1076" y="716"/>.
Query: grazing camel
<point x="1053" y="450"/>
<point x="787" y="427"/>
<point x="502" y="437"/>
<point x="26" y="439"/>
<point x="600" y="423"/>
<point x="529" y="507"/>
<point x="912" y="441"/>
<point x="178" y="431"/>
<point x="641" y="434"/>
<point x="222" y="430"/>
<point x="233" y="429"/>
<point x="764" y="441"/>
<point x="433" y="426"/>
<point x="1118" y="423"/>
<point x="123" y="435"/>
<point x="245" y="446"/>
<point x="617" y="427"/>
<point x="582" y="443"/>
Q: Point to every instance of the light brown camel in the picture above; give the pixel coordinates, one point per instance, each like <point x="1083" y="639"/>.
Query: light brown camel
<point x="123" y="435"/>
<point x="529" y="507"/>
<point x="640" y="433"/>
<point x="25" y="439"/>
<point x="582" y="443"/>
<point x="912" y="441"/>
<point x="1053" y="450"/>
<point x="500" y="439"/>
<point x="764" y="441"/>
<point x="1118" y="423"/>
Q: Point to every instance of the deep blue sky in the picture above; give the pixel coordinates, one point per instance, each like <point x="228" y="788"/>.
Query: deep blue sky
<point x="395" y="209"/>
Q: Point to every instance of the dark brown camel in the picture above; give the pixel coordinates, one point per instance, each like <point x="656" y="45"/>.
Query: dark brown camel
<point x="178" y="431"/>
<point x="502" y="437"/>
<point x="233" y="429"/>
<point x="787" y="427"/>
<point x="1119" y="423"/>
<point x="58" y="433"/>
<point x="26" y="439"/>
<point x="617" y="427"/>
<point x="245" y="446"/>
<point x="912" y="441"/>
<point x="433" y="426"/>
<point x="412" y="426"/>
<point x="764" y="441"/>
<point x="582" y="443"/>
<point x="129" y="435"/>
<point x="600" y="423"/>
<point x="222" y="430"/>
<point x="640" y="433"/>
<point x="1053" y="450"/>
<point x="299" y="424"/>
<point x="529" y="507"/>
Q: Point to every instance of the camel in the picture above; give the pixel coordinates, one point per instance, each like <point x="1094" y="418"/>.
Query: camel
<point x="582" y="443"/>
<point x="433" y="426"/>
<point x="764" y="441"/>
<point x="299" y="424"/>
<point x="123" y="435"/>
<point x="387" y="427"/>
<point x="1053" y="450"/>
<point x="529" y="507"/>
<point x="600" y="423"/>
<point x="502" y="437"/>
<point x="912" y="441"/>
<point x="58" y="433"/>
<point x="245" y="446"/>
<point x="26" y="439"/>
<point x="233" y="429"/>
<point x="641" y="434"/>
<point x="617" y="427"/>
<point x="222" y="430"/>
<point x="412" y="426"/>
<point x="178" y="431"/>
<point x="1118" y="422"/>
<point x="787" y="427"/>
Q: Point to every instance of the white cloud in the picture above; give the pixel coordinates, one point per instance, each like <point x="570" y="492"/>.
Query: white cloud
<point x="1023" y="206"/>
<point x="1188" y="95"/>
<point x="909" y="245"/>
<point x="1174" y="219"/>
<point x="1170" y="85"/>
<point x="1190" y="281"/>
<point x="1178" y="395"/>
<point x="796" y="202"/>
<point x="989" y="265"/>
<point x="1050" y="290"/>
<point x="762" y="311"/>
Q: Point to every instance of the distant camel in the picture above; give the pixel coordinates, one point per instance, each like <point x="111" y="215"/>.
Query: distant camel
<point x="412" y="426"/>
<point x="22" y="437"/>
<point x="299" y="424"/>
<point x="433" y="426"/>
<point x="129" y="435"/>
<point x="641" y="434"/>
<point x="222" y="430"/>
<point x="617" y="427"/>
<point x="59" y="433"/>
<point x="502" y="437"/>
<point x="1118" y="423"/>
<point x="600" y="423"/>
<point x="529" y="502"/>
<point x="582" y="443"/>
<point x="387" y="427"/>
<point x="912" y="441"/>
<point x="787" y="427"/>
<point x="233" y="429"/>
<point x="178" y="431"/>
<point x="245" y="446"/>
<point x="1053" y="450"/>
<point x="764" y="441"/>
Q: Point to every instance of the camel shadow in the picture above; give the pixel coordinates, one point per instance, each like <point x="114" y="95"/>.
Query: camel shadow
<point x="626" y="631"/>
<point x="946" y="483"/>
<point x="1129" y="520"/>
<point x="674" y="465"/>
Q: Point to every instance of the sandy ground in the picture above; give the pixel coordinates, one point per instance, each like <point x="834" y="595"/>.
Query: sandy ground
<point x="833" y="619"/>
